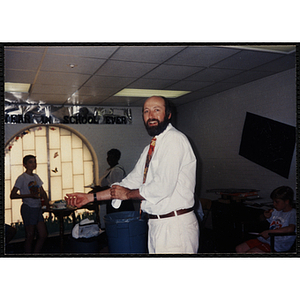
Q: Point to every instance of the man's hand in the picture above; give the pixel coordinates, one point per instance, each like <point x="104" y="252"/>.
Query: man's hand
<point x="78" y="199"/>
<point x="119" y="192"/>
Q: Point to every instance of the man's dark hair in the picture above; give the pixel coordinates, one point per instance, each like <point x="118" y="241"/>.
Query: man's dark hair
<point x="283" y="193"/>
<point x="168" y="106"/>
<point x="27" y="157"/>
<point x="115" y="153"/>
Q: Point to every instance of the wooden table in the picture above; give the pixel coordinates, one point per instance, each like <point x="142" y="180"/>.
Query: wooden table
<point x="60" y="214"/>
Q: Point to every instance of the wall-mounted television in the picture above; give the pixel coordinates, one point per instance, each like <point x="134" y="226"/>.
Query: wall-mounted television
<point x="268" y="143"/>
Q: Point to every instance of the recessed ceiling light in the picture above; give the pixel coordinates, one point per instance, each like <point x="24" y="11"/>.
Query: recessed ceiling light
<point x="16" y="87"/>
<point x="72" y="66"/>
<point x="148" y="93"/>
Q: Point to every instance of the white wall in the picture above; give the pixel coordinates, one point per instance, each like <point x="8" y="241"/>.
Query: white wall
<point x="214" y="125"/>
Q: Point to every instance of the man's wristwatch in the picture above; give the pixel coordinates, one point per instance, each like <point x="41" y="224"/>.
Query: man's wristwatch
<point x="95" y="197"/>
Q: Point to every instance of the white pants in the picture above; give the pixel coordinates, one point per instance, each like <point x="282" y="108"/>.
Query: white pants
<point x="175" y="235"/>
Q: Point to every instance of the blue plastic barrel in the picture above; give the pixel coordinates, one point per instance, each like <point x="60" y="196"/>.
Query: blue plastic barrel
<point x="126" y="232"/>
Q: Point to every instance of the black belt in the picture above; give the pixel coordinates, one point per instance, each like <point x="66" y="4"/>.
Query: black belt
<point x="171" y="214"/>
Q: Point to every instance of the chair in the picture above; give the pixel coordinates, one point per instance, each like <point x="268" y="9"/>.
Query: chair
<point x="272" y="240"/>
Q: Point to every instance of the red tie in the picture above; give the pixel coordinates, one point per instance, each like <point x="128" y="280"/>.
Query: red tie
<point x="149" y="156"/>
<point x="148" y="159"/>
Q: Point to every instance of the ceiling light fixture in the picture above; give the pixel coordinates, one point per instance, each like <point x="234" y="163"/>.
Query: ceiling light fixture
<point x="148" y="93"/>
<point x="16" y="87"/>
<point x="72" y="66"/>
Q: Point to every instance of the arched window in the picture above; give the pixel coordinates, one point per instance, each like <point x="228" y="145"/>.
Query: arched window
<point x="65" y="162"/>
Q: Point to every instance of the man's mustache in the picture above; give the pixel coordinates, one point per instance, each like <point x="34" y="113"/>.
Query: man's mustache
<point x="152" y="120"/>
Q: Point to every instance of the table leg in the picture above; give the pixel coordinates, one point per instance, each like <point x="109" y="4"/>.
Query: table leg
<point x="61" y="232"/>
<point x="60" y="214"/>
<point x="97" y="212"/>
<point x="74" y="218"/>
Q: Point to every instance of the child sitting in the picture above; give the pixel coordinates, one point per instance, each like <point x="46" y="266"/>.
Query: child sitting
<point x="282" y="220"/>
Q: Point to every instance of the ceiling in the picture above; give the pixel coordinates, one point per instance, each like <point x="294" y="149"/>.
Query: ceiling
<point x="91" y="75"/>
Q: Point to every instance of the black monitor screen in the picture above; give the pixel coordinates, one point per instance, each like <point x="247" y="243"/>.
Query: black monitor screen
<point x="268" y="143"/>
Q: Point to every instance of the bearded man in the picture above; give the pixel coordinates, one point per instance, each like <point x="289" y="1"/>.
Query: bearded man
<point x="164" y="181"/>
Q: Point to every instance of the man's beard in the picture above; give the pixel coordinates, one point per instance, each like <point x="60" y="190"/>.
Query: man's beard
<point x="159" y="128"/>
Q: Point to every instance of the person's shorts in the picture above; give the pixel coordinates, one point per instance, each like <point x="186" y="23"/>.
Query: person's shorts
<point x="256" y="243"/>
<point x="31" y="215"/>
